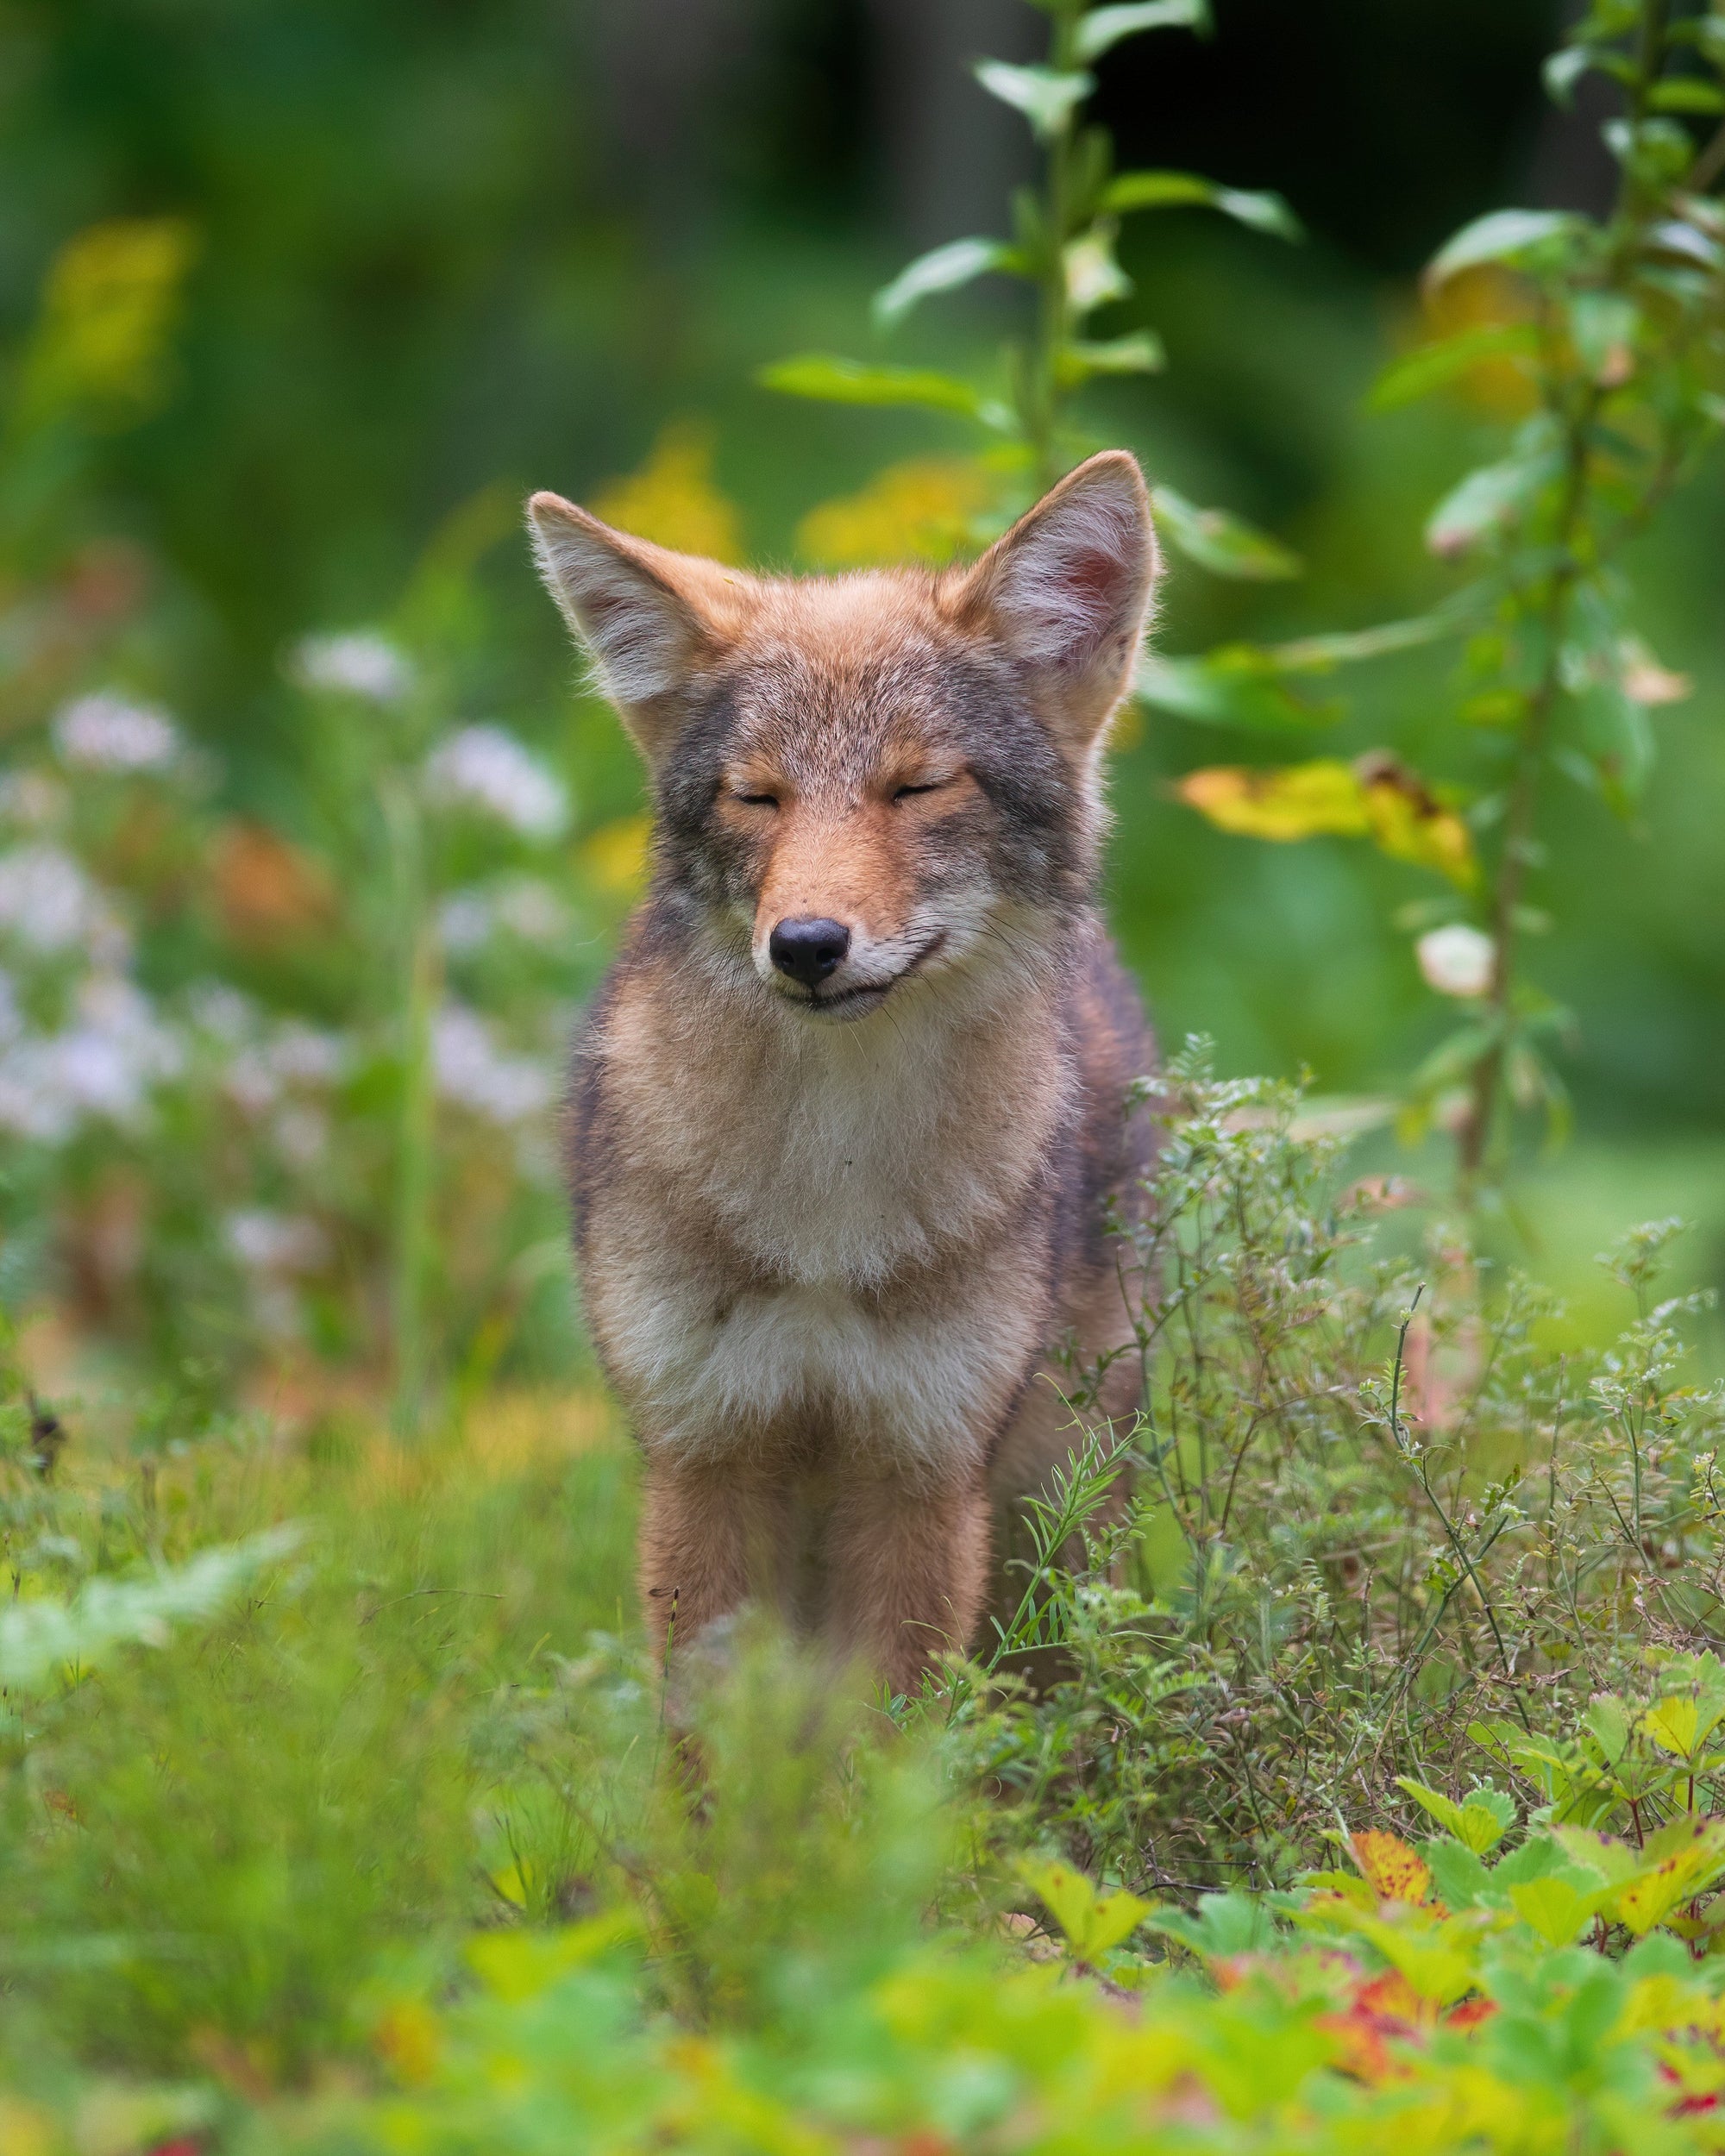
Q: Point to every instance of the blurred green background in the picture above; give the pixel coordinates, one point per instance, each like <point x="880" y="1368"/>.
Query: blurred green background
<point x="449" y="251"/>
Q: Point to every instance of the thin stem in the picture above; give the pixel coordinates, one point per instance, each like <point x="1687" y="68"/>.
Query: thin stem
<point x="1578" y="417"/>
<point x="1041" y="415"/>
<point x="1516" y="850"/>
<point x="415" y="1163"/>
<point x="1709" y="165"/>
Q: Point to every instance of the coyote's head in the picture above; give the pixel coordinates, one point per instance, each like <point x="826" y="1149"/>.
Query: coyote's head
<point x="868" y="778"/>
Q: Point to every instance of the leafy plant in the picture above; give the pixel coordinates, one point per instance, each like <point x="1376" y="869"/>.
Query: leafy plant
<point x="1608" y="338"/>
<point x="1063" y="250"/>
<point x="1376" y="1521"/>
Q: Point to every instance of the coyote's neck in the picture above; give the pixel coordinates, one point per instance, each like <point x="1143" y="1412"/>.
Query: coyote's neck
<point x="846" y="1154"/>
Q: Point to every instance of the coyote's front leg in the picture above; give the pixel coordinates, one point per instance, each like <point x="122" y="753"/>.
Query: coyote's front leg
<point x="712" y="1537"/>
<point x="908" y="1556"/>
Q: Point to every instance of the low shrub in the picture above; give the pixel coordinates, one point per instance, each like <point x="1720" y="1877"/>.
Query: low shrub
<point x="1375" y="1791"/>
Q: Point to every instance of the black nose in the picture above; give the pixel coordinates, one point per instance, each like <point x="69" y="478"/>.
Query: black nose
<point x="809" y="951"/>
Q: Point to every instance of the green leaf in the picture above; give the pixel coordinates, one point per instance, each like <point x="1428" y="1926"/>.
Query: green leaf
<point x="1140" y="354"/>
<point x="1230" y="687"/>
<point x="1344" y="648"/>
<point x="1614" y="1860"/>
<point x="839" y="381"/>
<point x="1226" y="1925"/>
<point x="1093" y="1922"/>
<point x="1479" y="1822"/>
<point x="1434" y="364"/>
<point x="1618" y="746"/>
<point x="1677" y="235"/>
<point x="1047" y="97"/>
<point x="1093" y="275"/>
<point x="1687" y="93"/>
<point x="1556" y="1907"/>
<point x="39" y="1638"/>
<point x="942" y="269"/>
<point x="1564" y="70"/>
<point x="1440" y="1808"/>
<point x="1462" y="1881"/>
<point x="1430" y="1964"/>
<point x="1487" y="502"/>
<point x="1538" y="1855"/>
<point x="1103" y="29"/>
<point x="1263" y="211"/>
<point x="1603" y="325"/>
<point x="1520" y="237"/>
<point x="1351" y="646"/>
<point x="1486" y="1816"/>
<point x="1221" y="542"/>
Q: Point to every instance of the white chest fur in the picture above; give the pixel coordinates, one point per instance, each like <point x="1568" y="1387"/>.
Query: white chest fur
<point x="817" y="1221"/>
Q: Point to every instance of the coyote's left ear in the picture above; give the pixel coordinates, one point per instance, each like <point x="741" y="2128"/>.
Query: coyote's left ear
<point x="1068" y="591"/>
<point x="651" y="619"/>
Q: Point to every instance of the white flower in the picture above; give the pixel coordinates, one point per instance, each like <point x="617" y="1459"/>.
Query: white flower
<point x="105" y="732"/>
<point x="268" y="1242"/>
<point x="31" y="1104"/>
<point x="103" y="1064"/>
<point x="360" y="663"/>
<point x="302" y="1056"/>
<point x="48" y="903"/>
<point x="465" y="921"/>
<point x="222" y="1011"/>
<point x="293" y="1055"/>
<point x="483" y="769"/>
<point x="302" y="1136"/>
<point x="468" y="919"/>
<point x="1457" y="961"/>
<point x="11" y="1023"/>
<point x="116" y="1049"/>
<point x="473" y="1072"/>
<point x="532" y="911"/>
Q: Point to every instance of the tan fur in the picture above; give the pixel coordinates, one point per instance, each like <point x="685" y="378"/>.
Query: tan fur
<point x="829" y="1232"/>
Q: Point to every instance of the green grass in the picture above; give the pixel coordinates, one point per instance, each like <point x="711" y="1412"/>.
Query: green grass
<point x="210" y="1843"/>
<point x="385" y="1840"/>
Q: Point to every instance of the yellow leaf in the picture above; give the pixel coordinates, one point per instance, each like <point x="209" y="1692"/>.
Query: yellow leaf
<point x="407" y="2037"/>
<point x="919" y="511"/>
<point x="1688" y="1857"/>
<point x="107" y="313"/>
<point x="515" y="1965"/>
<point x="672" y="499"/>
<point x="1377" y="797"/>
<point x="1408" y="822"/>
<point x="615" y="856"/>
<point x="1486" y="297"/>
<point x="1296" y="801"/>
<point x="512" y="1885"/>
<point x="1674" y="1725"/>
<point x="25" y="2129"/>
<point x="1393" y="1871"/>
<point x="1093" y="1922"/>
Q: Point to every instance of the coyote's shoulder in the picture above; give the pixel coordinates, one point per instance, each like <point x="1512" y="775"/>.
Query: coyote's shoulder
<point x="850" y="1114"/>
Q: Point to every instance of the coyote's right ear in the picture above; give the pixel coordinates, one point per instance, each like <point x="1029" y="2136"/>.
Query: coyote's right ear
<point x="651" y="619"/>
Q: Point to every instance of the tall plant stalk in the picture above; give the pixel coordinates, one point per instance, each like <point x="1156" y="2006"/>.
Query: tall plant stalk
<point x="413" y="1240"/>
<point x="1615" y="333"/>
<point x="1585" y="537"/>
<point x="1063" y="248"/>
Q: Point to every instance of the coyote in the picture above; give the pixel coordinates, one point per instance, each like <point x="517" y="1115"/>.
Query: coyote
<point x="852" y="1105"/>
